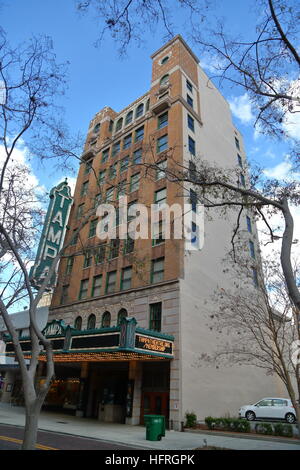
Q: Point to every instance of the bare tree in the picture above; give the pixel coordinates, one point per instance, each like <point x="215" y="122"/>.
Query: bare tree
<point x="262" y="324"/>
<point x="125" y="20"/>
<point x="31" y="80"/>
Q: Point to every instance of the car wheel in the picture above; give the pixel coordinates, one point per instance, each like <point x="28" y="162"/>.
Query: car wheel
<point x="290" y="418"/>
<point x="250" y="416"/>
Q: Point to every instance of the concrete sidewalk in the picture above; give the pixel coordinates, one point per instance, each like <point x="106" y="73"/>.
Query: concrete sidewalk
<point x="135" y="436"/>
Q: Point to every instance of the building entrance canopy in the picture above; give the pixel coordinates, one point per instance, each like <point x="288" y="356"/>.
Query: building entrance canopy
<point x="121" y="343"/>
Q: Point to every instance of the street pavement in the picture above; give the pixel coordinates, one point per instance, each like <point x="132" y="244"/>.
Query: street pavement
<point x="135" y="436"/>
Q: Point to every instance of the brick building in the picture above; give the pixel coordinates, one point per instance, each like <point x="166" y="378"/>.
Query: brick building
<point x="151" y="289"/>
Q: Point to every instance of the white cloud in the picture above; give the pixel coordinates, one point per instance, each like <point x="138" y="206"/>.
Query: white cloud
<point x="276" y="222"/>
<point x="282" y="171"/>
<point x="71" y="183"/>
<point x="241" y="108"/>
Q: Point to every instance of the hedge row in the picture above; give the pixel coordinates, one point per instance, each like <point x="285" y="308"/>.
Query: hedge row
<point x="228" y="424"/>
<point x="241" y="425"/>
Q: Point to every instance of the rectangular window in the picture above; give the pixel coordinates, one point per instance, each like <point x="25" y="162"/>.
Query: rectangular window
<point x="92" y="229"/>
<point x="158" y="233"/>
<point x="124" y="164"/>
<point x="157" y="270"/>
<point x="249" y="224"/>
<point x="109" y="194"/>
<point x="111" y="282"/>
<point x="251" y="248"/>
<point x="111" y="125"/>
<point x="155" y="316"/>
<point x="237" y="143"/>
<point x="255" y="277"/>
<point x="121" y="191"/>
<point x="193" y="200"/>
<point x="98" y="199"/>
<point x="113" y="171"/>
<point x="190" y="101"/>
<point x="137" y="157"/>
<point x="162" y="120"/>
<point x="64" y="295"/>
<point x="88" y="259"/>
<point x="84" y="188"/>
<point x="160" y="197"/>
<point x="97" y="284"/>
<point x="116" y="149"/>
<point x="192" y="170"/>
<point x="161" y="170"/>
<point x="88" y="167"/>
<point x="128" y="245"/>
<point x="192" y="146"/>
<point x="189" y="86"/>
<point x="162" y="143"/>
<point x="240" y="161"/>
<point x="139" y="134"/>
<point x="83" y="289"/>
<point x="100" y="253"/>
<point x="114" y="248"/>
<point x="69" y="266"/>
<point x="126" y="278"/>
<point x="242" y="180"/>
<point x="80" y="211"/>
<point x="191" y="123"/>
<point x="134" y="182"/>
<point x="102" y="177"/>
<point x="105" y="155"/>
<point x="74" y="238"/>
<point x="127" y="141"/>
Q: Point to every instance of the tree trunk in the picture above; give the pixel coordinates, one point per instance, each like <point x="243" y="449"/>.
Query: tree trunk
<point x="31" y="425"/>
<point x="285" y="257"/>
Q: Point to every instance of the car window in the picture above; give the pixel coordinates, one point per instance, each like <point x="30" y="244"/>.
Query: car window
<point x="264" y="403"/>
<point x="280" y="403"/>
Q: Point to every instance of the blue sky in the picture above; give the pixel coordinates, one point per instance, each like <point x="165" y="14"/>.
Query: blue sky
<point x="94" y="79"/>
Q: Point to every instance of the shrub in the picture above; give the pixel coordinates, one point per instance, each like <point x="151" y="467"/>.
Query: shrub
<point x="191" y="419"/>
<point x="264" y="428"/>
<point x="227" y="424"/>
<point x="285" y="430"/>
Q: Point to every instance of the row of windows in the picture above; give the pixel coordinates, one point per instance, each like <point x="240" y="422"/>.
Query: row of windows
<point x="156" y="275"/>
<point x="155" y="317"/>
<point x="137" y="113"/>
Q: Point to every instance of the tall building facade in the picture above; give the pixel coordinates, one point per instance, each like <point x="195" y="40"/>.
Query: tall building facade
<point x="151" y="292"/>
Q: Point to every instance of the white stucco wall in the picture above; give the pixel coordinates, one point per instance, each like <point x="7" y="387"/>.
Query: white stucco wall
<point x="205" y="389"/>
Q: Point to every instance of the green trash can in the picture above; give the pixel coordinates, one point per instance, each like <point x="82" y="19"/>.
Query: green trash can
<point x="155" y="427"/>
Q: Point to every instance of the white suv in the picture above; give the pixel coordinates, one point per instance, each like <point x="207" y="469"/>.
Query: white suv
<point x="276" y="408"/>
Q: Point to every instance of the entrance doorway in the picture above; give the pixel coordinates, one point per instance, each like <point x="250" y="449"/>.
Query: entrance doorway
<point x="155" y="403"/>
<point x="155" y="390"/>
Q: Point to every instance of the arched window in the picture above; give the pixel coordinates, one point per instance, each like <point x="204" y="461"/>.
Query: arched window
<point x="78" y="323"/>
<point x="164" y="60"/>
<point x="119" y="124"/>
<point x="122" y="314"/>
<point x="148" y="104"/>
<point x="91" y="322"/>
<point x="106" y="320"/>
<point x="164" y="80"/>
<point x="96" y="128"/>
<point x="129" y="117"/>
<point x="139" y="110"/>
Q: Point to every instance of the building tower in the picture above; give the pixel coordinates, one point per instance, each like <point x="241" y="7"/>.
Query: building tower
<point x="149" y="290"/>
